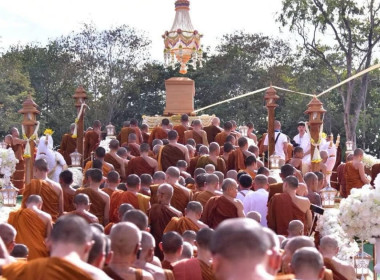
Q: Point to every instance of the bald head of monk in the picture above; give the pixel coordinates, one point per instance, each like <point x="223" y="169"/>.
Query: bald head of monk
<point x="8" y="235"/>
<point x="212" y="183"/>
<point x="114" y="145"/>
<point x="71" y="234"/>
<point x="240" y="250"/>
<point x="260" y="182"/>
<point x="189" y="236"/>
<point x="307" y="263"/>
<point x="291" y="246"/>
<point x="254" y="215"/>
<point x="187" y="251"/>
<point x="295" y="228"/>
<point x="172" y="175"/>
<point x="146" y="180"/>
<point x="123" y="208"/>
<point x="200" y="180"/>
<point x="165" y="194"/>
<point x="144" y="149"/>
<point x="157" y="142"/>
<point x="210" y="168"/>
<point x="34" y="200"/>
<point x="100" y="153"/>
<point x="113" y="178"/>
<point x="215" y="121"/>
<point x="290" y="184"/>
<point x="196" y="124"/>
<point x="230" y="188"/>
<point x="159" y="177"/>
<point x="277" y="125"/>
<point x="172" y="135"/>
<point x="194" y="210"/>
<point x="136" y="217"/>
<point x="147" y="247"/>
<point x="232" y="174"/>
<point x="243" y="143"/>
<point x="133" y="183"/>
<point x="96" y="257"/>
<point x="81" y="200"/>
<point x="156" y="149"/>
<point x="40" y="168"/>
<point x="286" y="170"/>
<point x="133" y="122"/>
<point x="125" y="242"/>
<point x="203" y="150"/>
<point x="329" y="246"/>
<point x="274" y="262"/>
<point x="311" y="181"/>
<point x="94" y="176"/>
<point x="182" y="165"/>
<point x="171" y="245"/>
<point x="214" y="149"/>
<point x="227" y="126"/>
<point x="185" y="119"/>
<point x="203" y="239"/>
<point x="132" y="138"/>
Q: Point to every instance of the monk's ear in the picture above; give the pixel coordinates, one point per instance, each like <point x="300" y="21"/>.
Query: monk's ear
<point x="160" y="246"/>
<point x="88" y="247"/>
<point x="322" y="273"/>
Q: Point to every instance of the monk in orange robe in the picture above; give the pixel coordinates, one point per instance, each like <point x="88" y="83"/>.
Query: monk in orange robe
<point x="354" y="172"/>
<point x="33" y="226"/>
<point x="125" y="131"/>
<point x="68" y="145"/>
<point x="65" y="180"/>
<point x="192" y="165"/>
<point x="160" y="132"/>
<point x="221" y="137"/>
<point x="82" y="207"/>
<point x="100" y="200"/>
<point x="91" y="140"/>
<point x="161" y="213"/>
<point x="132" y="196"/>
<point x="250" y="166"/>
<point x="145" y="133"/>
<point x="112" y="182"/>
<point x="213" y="158"/>
<point x="213" y="129"/>
<point x="236" y="160"/>
<point x="287" y="206"/>
<point x="17" y="145"/>
<point x="114" y="159"/>
<point x="142" y="164"/>
<point x="220" y="208"/>
<point x="68" y="255"/>
<point x="50" y="191"/>
<point x="199" y="135"/>
<point x="211" y="186"/>
<point x="171" y="153"/>
<point x="181" y="194"/>
<point x="190" y="221"/>
<point x="198" y="268"/>
<point x="182" y="128"/>
<point x="132" y="145"/>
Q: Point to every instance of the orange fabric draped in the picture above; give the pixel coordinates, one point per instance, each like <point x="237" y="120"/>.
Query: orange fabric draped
<point x="134" y="149"/>
<point x="97" y="203"/>
<point x="91" y="142"/>
<point x="68" y="146"/>
<point x="139" y="166"/>
<point x="110" y="159"/>
<point x="282" y="210"/>
<point x="192" y="165"/>
<point x="206" y="270"/>
<point x="169" y="156"/>
<point x="153" y="194"/>
<point x="145" y="137"/>
<point x="219" y="166"/>
<point x="44" y="269"/>
<point x="48" y="195"/>
<point x="187" y="269"/>
<point x="180" y="225"/>
<point x="236" y="160"/>
<point x="203" y="197"/>
<point x="249" y="172"/>
<point x="107" y="228"/>
<point x="124" y="133"/>
<point x="108" y="191"/>
<point x="260" y="143"/>
<point x="181" y="133"/>
<point x="329" y="264"/>
<point x="138" y="201"/>
<point x="273" y="189"/>
<point x="105" y="168"/>
<point x="192" y="134"/>
<point x="31" y="231"/>
<point x="220" y="138"/>
<point x="218" y="209"/>
<point x="342" y="179"/>
<point x="144" y="202"/>
<point x="88" y="220"/>
<point x="211" y="132"/>
<point x="157" y="133"/>
<point x="180" y="198"/>
<point x="352" y="176"/>
<point x="68" y="205"/>
<point x="18" y="177"/>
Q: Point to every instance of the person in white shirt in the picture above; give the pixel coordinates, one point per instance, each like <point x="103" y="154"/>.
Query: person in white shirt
<point x="303" y="140"/>
<point x="258" y="200"/>
<point x="281" y="142"/>
<point x="245" y="185"/>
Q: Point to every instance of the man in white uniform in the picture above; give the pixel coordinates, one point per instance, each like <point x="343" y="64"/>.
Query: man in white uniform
<point x="281" y="143"/>
<point x="303" y="140"/>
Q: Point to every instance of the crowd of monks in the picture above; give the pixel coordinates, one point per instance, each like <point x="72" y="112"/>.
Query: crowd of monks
<point x="180" y="202"/>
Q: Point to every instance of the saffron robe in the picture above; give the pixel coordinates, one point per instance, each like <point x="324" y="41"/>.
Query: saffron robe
<point x="91" y="142"/>
<point x="107" y="228"/>
<point x="110" y="159"/>
<point x="181" y="133"/>
<point x="273" y="189"/>
<point x="219" y="166"/>
<point x="192" y="269"/>
<point x="124" y="133"/>
<point x="18" y="177"/>
<point x="329" y="264"/>
<point x="44" y="269"/>
<point x="105" y="168"/>
<point x="211" y="132"/>
<point x="31" y="231"/>
<point x="157" y="133"/>
<point x="49" y="197"/>
<point x="236" y="160"/>
<point x="139" y="166"/>
<point x="159" y="216"/>
<point x="192" y="165"/>
<point x="145" y="137"/>
<point x="153" y="193"/>
<point x="108" y="191"/>
<point x="342" y="179"/>
<point x="220" y="138"/>
<point x="218" y="209"/>
<point x="180" y="225"/>
<point x="68" y="146"/>
<point x="203" y="197"/>
<point x="138" y="201"/>
<point x="168" y="156"/>
<point x="180" y="198"/>
<point x="115" y="276"/>
<point x="97" y="203"/>
<point x="352" y="176"/>
<point x="198" y="138"/>
<point x="281" y="211"/>
<point x="134" y="149"/>
<point x="68" y="198"/>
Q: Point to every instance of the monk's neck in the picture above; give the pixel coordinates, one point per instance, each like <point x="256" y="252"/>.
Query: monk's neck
<point x="171" y="258"/>
<point x="292" y="194"/>
<point x="111" y="187"/>
<point x="329" y="255"/>
<point x="67" y="251"/>
<point x="94" y="186"/>
<point x="172" y="182"/>
<point x="173" y="142"/>
<point x="230" y="198"/>
<point x="210" y="190"/>
<point x="121" y="262"/>
<point x="41" y="176"/>
<point x="165" y="203"/>
<point x="204" y="255"/>
<point x="113" y="152"/>
<point x="192" y="218"/>
<point x="134" y="191"/>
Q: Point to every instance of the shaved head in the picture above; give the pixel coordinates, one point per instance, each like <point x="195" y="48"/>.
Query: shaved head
<point x="307" y="262"/>
<point x="34" y="199"/>
<point x="114" y="144"/>
<point x="171" y="242"/>
<point x="159" y="175"/>
<point x="173" y="172"/>
<point x="204" y="237"/>
<point x="295" y="228"/>
<point x="214" y="147"/>
<point x="254" y="215"/>
<point x="123" y="208"/>
<point x="125" y="239"/>
<point x="81" y="199"/>
<point x="195" y="207"/>
<point x="7" y="233"/>
<point x="298" y="242"/>
<point x="41" y="165"/>
<point x="136" y="217"/>
<point x="329" y="245"/>
<point x="71" y="229"/>
<point x="232" y="174"/>
<point x="228" y="184"/>
<point x="166" y="191"/>
<point x="147" y="241"/>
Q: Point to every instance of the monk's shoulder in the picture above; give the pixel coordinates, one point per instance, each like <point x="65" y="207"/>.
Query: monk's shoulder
<point x="45" y="217"/>
<point x="104" y="195"/>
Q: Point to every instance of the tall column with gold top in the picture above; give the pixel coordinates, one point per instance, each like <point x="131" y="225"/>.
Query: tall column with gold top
<point x="271" y="98"/>
<point x="316" y="114"/>
<point x="29" y="124"/>
<point x="80" y="100"/>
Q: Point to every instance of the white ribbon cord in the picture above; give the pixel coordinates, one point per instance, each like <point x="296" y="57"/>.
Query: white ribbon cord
<point x="28" y="152"/>
<point x="75" y="132"/>
<point x="316" y="157"/>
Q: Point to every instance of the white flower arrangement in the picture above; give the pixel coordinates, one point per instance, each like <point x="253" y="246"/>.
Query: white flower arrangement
<point x="328" y="225"/>
<point x="360" y="212"/>
<point x="105" y="144"/>
<point x="8" y="162"/>
<point x="369" y="160"/>
<point x="77" y="176"/>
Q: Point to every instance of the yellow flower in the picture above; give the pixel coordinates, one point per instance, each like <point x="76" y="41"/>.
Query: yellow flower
<point x="74" y="136"/>
<point x="324" y="135"/>
<point x="48" y="131"/>
<point x="33" y="137"/>
<point x="76" y="120"/>
<point x="27" y="156"/>
<point x="24" y="137"/>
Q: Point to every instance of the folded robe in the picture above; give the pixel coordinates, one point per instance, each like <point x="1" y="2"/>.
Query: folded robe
<point x="168" y="156"/>
<point x="138" y="201"/>
<point x="218" y="209"/>
<point x="180" y="198"/>
<point x="97" y="203"/>
<point x="181" y="225"/>
<point x="139" y="166"/>
<point x="203" y="197"/>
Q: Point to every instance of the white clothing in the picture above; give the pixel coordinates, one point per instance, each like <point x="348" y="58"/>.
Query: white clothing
<point x="242" y="194"/>
<point x="257" y="201"/>
<point x="279" y="146"/>
<point x="304" y="143"/>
